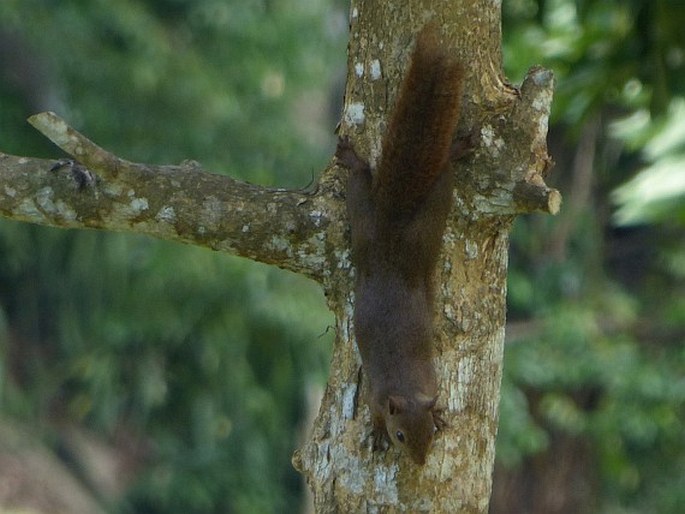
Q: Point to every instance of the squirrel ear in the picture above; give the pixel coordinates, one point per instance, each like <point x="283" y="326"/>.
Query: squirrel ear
<point x="396" y="404"/>
<point x="425" y="401"/>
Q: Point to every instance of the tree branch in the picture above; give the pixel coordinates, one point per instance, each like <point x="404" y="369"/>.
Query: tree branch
<point x="516" y="146"/>
<point x="179" y="203"/>
<point x="535" y="196"/>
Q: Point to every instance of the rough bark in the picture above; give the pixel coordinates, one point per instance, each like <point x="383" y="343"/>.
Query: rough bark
<point x="502" y="178"/>
<point x="179" y="203"/>
<point x="307" y="232"/>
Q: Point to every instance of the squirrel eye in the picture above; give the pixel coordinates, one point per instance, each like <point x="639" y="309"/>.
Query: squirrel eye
<point x="400" y="436"/>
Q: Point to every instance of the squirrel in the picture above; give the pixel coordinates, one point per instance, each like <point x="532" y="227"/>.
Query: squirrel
<point x="398" y="216"/>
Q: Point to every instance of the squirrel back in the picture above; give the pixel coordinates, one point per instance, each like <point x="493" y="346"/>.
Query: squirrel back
<point x="398" y="217"/>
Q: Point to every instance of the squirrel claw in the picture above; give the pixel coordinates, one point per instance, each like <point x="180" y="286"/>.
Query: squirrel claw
<point x="81" y="175"/>
<point x="439" y="421"/>
<point x="348" y="156"/>
<point x="465" y="145"/>
<point x="380" y="440"/>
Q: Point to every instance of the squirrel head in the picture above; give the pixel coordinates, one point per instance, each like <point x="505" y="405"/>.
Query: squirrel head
<point x="410" y="424"/>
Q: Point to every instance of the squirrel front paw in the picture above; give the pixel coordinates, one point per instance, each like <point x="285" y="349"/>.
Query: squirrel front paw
<point x="380" y="441"/>
<point x="348" y="156"/>
<point x="439" y="420"/>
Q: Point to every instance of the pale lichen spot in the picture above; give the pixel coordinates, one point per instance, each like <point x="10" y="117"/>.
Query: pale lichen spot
<point x="28" y="208"/>
<point x="166" y="214"/>
<point x="138" y="205"/>
<point x="375" y="69"/>
<point x="542" y="101"/>
<point x="385" y="480"/>
<point x="359" y="69"/>
<point x="471" y="249"/>
<point x="493" y="143"/>
<point x="112" y="189"/>
<point x="460" y="389"/>
<point x="211" y="213"/>
<point x="44" y="200"/>
<point x="65" y="211"/>
<point x="57" y="124"/>
<point x="450" y="312"/>
<point x="317" y="217"/>
<point x="272" y="208"/>
<point x="57" y="209"/>
<point x="345" y="327"/>
<point x="344" y="258"/>
<point x="488" y="134"/>
<point x="10" y="191"/>
<point x="448" y="238"/>
<point x="348" y="400"/>
<point x="279" y="244"/>
<point x="354" y="113"/>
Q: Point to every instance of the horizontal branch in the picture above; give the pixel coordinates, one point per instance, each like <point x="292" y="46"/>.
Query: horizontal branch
<point x="177" y="203"/>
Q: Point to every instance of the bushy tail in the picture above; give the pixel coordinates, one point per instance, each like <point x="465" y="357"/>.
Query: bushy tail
<point x="416" y="146"/>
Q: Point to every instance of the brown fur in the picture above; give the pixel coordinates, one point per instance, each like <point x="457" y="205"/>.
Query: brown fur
<point x="398" y="218"/>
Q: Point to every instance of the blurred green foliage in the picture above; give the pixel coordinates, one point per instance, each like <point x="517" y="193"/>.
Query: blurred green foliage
<point x="599" y="293"/>
<point x="206" y="358"/>
<point x="209" y="358"/>
<point x="657" y="193"/>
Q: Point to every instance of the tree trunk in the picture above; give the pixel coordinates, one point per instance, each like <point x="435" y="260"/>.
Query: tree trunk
<point x="307" y="232"/>
<point x="503" y="177"/>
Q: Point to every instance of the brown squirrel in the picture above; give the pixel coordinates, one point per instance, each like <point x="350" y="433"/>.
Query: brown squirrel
<point x="398" y="218"/>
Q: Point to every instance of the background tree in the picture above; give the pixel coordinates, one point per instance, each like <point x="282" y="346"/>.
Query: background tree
<point x="592" y="407"/>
